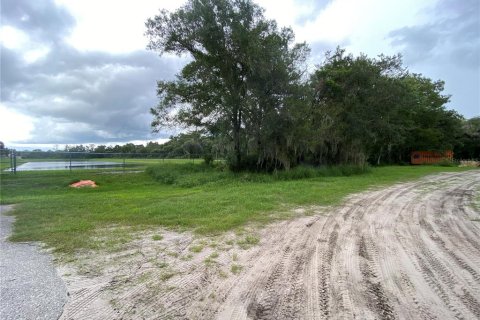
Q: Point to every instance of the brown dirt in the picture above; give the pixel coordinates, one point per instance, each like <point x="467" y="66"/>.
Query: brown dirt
<point x="410" y="251"/>
<point x="84" y="183"/>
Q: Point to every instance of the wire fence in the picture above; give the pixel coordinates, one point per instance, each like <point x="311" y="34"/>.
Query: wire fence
<point x="12" y="161"/>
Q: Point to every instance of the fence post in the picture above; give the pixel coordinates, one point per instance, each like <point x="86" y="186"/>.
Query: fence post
<point x="14" y="161"/>
<point x="124" y="163"/>
<point x="70" y="161"/>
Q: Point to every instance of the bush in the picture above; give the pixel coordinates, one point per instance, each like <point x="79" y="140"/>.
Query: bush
<point x="251" y="163"/>
<point x="192" y="175"/>
<point x="186" y="175"/>
<point x="208" y="158"/>
<point x="447" y="163"/>
<point x="305" y="172"/>
<point x="247" y="163"/>
<point x="160" y="174"/>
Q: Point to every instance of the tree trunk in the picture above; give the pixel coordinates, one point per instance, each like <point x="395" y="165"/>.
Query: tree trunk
<point x="379" y="155"/>
<point x="236" y="137"/>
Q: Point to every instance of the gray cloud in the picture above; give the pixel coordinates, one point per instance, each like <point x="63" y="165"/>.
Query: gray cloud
<point x="447" y="48"/>
<point x="456" y="26"/>
<point x="43" y="19"/>
<point x="77" y="96"/>
<point x="419" y="42"/>
<point x="316" y="6"/>
<point x="320" y="48"/>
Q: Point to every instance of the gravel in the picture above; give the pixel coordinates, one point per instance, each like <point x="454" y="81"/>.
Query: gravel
<point x="30" y="287"/>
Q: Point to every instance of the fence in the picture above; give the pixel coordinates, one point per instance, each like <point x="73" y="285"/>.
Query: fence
<point x="16" y="161"/>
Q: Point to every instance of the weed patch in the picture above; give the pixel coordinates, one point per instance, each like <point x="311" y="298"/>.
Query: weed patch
<point x="196" y="249"/>
<point x="248" y="241"/>
<point x="236" y="268"/>
<point x="211" y="259"/>
<point x="157" y="237"/>
<point x="166" y="275"/>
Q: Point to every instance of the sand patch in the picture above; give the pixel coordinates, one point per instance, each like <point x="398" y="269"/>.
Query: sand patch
<point x="84" y="183"/>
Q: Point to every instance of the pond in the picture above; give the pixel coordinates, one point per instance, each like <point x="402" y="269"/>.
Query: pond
<point x="65" y="165"/>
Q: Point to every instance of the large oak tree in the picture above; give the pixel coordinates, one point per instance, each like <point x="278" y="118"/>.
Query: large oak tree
<point x="243" y="75"/>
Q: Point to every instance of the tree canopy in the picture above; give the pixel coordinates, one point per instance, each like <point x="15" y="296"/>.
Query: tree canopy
<point x="244" y="73"/>
<point x="247" y="88"/>
<point x="377" y="111"/>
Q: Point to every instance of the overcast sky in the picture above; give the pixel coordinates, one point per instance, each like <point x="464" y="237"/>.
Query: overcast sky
<point x="77" y="71"/>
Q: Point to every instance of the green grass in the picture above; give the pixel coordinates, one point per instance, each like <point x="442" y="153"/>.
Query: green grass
<point x="157" y="237"/>
<point x="210" y="260"/>
<point x="236" y="268"/>
<point x="197" y="197"/>
<point x="4" y="162"/>
<point x="248" y="241"/>
<point x="196" y="249"/>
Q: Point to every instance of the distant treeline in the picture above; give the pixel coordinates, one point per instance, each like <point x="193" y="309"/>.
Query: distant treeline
<point x="184" y="145"/>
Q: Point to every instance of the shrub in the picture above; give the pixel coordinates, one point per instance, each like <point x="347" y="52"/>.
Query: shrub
<point x="193" y="175"/>
<point x="447" y="163"/>
<point x="208" y="158"/>
<point x="305" y="172"/>
<point x="160" y="174"/>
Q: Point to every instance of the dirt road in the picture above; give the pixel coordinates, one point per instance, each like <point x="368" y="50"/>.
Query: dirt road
<point x="410" y="251"/>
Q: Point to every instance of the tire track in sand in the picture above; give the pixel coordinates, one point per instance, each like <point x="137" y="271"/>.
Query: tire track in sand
<point x="384" y="255"/>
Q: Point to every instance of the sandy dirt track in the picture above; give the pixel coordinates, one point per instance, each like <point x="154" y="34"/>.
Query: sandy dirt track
<point x="410" y="251"/>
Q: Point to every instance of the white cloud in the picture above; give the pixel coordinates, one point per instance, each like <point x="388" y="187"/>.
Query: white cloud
<point x="34" y="55"/>
<point x="363" y="25"/>
<point x="285" y="12"/>
<point x="15" y="39"/>
<point x="118" y="26"/>
<point x="14" y="126"/>
<point x="12" y="38"/>
<point x="112" y="26"/>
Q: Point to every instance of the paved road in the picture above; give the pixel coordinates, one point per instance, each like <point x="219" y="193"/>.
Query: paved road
<point x="30" y="287"/>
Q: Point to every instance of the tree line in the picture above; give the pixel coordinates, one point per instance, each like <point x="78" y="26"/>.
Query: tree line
<point x="247" y="88"/>
<point x="185" y="145"/>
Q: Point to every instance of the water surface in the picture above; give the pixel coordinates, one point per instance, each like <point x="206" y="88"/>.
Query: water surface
<point x="66" y="165"/>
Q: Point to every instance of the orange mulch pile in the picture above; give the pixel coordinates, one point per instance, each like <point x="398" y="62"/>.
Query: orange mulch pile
<point x="84" y="183"/>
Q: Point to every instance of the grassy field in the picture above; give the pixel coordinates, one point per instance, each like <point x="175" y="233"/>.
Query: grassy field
<point x="175" y="194"/>
<point x="4" y="163"/>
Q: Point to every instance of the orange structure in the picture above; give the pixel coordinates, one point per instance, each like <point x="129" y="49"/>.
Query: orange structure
<point x="428" y="157"/>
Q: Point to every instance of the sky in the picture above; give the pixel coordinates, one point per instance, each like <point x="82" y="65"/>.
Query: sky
<point x="78" y="72"/>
